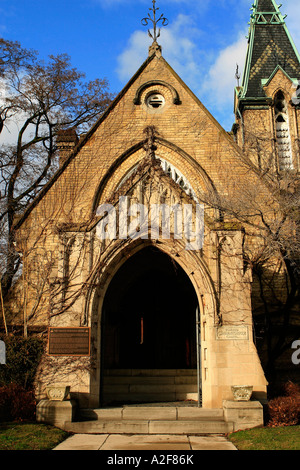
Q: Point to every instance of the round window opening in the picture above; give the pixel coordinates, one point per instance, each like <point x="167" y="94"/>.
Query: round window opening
<point x="155" y="101"/>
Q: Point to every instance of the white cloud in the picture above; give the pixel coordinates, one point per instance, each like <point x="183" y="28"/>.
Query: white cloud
<point x="292" y="9"/>
<point x="179" y="49"/>
<point x="210" y="74"/>
<point x="213" y="83"/>
<point x="133" y="56"/>
<point x="217" y="86"/>
<point x="217" y="90"/>
<point x="9" y="134"/>
<point x="220" y="80"/>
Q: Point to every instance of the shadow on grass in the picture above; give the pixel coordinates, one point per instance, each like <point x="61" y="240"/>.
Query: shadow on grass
<point x="30" y="436"/>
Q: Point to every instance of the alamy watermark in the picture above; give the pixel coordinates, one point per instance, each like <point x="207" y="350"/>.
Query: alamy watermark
<point x="296" y="94"/>
<point x="2" y="352"/>
<point x="296" y="354"/>
<point x="178" y="221"/>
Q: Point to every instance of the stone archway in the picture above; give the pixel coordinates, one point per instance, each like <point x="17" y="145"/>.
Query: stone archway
<point x="148" y="339"/>
<point x="149" y="313"/>
<point x="196" y="271"/>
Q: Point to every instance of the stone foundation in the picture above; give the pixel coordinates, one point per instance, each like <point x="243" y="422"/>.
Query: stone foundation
<point x="235" y="416"/>
<point x="243" y="415"/>
<point x="55" y="412"/>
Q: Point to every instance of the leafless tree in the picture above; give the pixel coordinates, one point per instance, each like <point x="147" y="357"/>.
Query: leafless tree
<point x="38" y="100"/>
<point x="266" y="202"/>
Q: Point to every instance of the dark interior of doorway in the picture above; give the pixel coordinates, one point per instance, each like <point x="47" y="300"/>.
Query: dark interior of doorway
<point x="149" y="315"/>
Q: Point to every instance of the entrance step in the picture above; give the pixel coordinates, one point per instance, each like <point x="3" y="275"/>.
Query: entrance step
<point x="151" y="420"/>
<point x="166" y="412"/>
<point x="149" y="385"/>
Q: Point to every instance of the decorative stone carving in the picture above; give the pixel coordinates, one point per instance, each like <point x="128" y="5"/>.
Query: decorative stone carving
<point x="242" y="392"/>
<point x="283" y="132"/>
<point x="178" y="177"/>
<point x="57" y="393"/>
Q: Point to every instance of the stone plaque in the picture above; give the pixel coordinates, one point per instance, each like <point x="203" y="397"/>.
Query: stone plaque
<point x="69" y="342"/>
<point x="232" y="332"/>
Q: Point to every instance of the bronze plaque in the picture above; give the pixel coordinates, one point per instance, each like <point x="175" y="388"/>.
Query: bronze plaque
<point x="69" y="342"/>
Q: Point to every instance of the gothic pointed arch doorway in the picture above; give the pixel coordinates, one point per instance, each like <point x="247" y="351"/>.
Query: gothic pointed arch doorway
<point x="149" y="323"/>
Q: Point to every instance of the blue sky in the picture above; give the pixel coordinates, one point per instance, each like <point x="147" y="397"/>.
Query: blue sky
<point x="203" y="41"/>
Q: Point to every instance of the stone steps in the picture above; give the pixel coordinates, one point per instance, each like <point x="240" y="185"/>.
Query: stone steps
<point x="149" y="385"/>
<point x="153" y="380"/>
<point x="174" y="413"/>
<point x="151" y="420"/>
<point x="140" y="395"/>
<point x="149" y="427"/>
<point x="161" y="405"/>
<point x="150" y="372"/>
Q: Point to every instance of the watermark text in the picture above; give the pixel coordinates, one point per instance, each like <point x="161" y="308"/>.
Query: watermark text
<point x="2" y="352"/>
<point x="296" y="354"/>
<point x="155" y="221"/>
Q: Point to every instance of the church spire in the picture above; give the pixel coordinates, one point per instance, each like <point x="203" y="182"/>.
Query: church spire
<point x="265" y="6"/>
<point x="270" y="46"/>
<point x="266" y="12"/>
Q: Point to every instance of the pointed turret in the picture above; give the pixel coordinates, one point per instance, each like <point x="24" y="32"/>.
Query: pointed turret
<point x="270" y="46"/>
<point x="265" y="6"/>
<point x="267" y="104"/>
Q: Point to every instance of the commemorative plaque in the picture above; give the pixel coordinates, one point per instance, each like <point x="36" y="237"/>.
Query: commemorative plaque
<point x="69" y="341"/>
<point x="232" y="332"/>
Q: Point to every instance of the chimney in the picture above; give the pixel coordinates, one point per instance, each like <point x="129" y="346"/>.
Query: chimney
<point x="66" y="141"/>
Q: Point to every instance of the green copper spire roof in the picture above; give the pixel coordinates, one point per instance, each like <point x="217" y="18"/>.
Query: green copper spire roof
<point x="269" y="46"/>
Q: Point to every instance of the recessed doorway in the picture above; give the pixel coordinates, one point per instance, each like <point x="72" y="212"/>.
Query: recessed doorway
<point x="149" y="320"/>
<point x="149" y="315"/>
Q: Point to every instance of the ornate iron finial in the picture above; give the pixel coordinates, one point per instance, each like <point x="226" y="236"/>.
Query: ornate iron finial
<point x="145" y="21"/>
<point x="237" y="75"/>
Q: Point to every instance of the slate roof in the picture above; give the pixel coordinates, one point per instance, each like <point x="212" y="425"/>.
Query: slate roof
<point x="265" y="5"/>
<point x="270" y="46"/>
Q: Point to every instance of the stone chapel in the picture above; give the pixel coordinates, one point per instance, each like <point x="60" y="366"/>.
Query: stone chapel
<point x="136" y="314"/>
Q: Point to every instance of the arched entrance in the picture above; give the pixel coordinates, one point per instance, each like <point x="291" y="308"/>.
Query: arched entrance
<point x="149" y="316"/>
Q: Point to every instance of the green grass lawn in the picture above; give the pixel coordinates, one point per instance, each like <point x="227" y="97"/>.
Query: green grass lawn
<point x="30" y="436"/>
<point x="280" y="438"/>
<point x="33" y="436"/>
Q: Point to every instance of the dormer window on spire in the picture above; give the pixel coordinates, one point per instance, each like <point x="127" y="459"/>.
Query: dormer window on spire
<point x="282" y="129"/>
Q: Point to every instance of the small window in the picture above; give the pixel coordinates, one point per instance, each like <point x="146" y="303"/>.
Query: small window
<point x="155" y="101"/>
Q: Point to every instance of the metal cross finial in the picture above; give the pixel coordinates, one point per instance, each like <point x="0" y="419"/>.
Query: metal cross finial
<point x="237" y="75"/>
<point x="145" y="21"/>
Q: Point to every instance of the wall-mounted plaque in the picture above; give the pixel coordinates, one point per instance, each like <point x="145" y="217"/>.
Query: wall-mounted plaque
<point x="232" y="332"/>
<point x="69" y="341"/>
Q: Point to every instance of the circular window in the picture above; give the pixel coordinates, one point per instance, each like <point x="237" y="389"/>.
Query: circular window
<point x="155" y="101"/>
